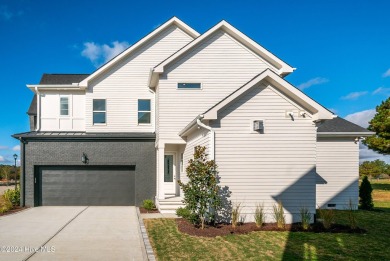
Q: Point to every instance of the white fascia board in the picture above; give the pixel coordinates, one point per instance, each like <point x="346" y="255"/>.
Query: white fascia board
<point x="345" y="134"/>
<point x="173" y="21"/>
<point x="55" y="87"/>
<point x="283" y="67"/>
<point x="282" y="85"/>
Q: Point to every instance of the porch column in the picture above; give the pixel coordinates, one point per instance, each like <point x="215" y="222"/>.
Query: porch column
<point x="160" y="171"/>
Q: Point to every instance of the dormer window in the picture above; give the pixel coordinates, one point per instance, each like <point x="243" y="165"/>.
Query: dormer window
<point x="189" y="85"/>
<point x="64" y="106"/>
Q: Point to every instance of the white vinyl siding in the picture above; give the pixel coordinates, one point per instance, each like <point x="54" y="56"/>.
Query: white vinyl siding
<point x="220" y="63"/>
<point x="126" y="82"/>
<point x="51" y="118"/>
<point x="199" y="137"/>
<point x="264" y="168"/>
<point x="338" y="172"/>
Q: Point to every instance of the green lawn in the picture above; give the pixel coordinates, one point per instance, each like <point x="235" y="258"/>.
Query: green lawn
<point x="170" y="244"/>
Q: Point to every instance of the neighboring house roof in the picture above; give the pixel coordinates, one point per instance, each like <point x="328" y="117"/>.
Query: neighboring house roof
<point x="173" y="21"/>
<point x="283" y="67"/>
<point x="49" y="79"/>
<point x="341" y="127"/>
<point x="48" y="135"/>
<point x="62" y="78"/>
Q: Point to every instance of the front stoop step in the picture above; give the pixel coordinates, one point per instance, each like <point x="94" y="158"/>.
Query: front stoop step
<point x="169" y="205"/>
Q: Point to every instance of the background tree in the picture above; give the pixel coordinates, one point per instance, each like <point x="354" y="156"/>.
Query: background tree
<point x="365" y="197"/>
<point x="380" y="124"/>
<point x="202" y="192"/>
<point x="374" y="168"/>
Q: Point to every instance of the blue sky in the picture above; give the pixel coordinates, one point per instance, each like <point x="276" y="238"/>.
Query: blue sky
<point x="340" y="48"/>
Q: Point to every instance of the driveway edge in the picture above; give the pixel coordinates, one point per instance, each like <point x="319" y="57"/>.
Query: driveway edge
<point x="147" y="247"/>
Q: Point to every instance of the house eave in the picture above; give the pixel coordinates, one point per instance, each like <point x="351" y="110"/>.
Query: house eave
<point x="55" y="87"/>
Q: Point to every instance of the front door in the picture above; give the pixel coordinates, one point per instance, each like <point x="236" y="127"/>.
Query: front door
<point x="169" y="174"/>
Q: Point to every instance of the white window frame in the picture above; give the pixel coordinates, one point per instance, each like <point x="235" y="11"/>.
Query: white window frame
<point x="196" y="82"/>
<point x="138" y="111"/>
<point x="68" y="98"/>
<point x="105" y="112"/>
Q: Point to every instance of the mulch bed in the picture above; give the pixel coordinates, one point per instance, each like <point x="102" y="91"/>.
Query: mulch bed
<point x="226" y="229"/>
<point x="145" y="211"/>
<point x="12" y="211"/>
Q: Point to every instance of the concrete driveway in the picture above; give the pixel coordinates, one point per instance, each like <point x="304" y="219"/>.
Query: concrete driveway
<point x="71" y="233"/>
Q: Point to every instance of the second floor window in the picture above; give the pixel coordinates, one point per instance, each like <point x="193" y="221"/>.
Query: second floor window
<point x="64" y="106"/>
<point x="99" y="111"/>
<point x="144" y="111"/>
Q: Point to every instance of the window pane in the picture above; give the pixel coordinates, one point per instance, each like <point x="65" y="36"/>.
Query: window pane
<point x="143" y="105"/>
<point x="168" y="168"/>
<point x="64" y="106"/>
<point x="99" y="117"/>
<point x="99" y="105"/>
<point x="183" y="85"/>
<point x="143" y="117"/>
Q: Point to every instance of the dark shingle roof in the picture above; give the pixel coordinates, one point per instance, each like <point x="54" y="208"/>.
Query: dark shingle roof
<point x="62" y="78"/>
<point x="33" y="106"/>
<point x="340" y="125"/>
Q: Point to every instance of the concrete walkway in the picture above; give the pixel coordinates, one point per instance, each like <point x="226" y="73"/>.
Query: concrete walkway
<point x="72" y="233"/>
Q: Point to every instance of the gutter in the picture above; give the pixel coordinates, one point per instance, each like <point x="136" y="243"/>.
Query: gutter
<point x="38" y="109"/>
<point x="345" y="134"/>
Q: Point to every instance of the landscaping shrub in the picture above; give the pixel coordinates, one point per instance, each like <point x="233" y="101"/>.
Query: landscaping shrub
<point x="259" y="215"/>
<point x="236" y="213"/>
<point x="365" y="195"/>
<point x="202" y="192"/>
<point x="148" y="204"/>
<point x="186" y="214"/>
<point x="13" y="195"/>
<point x="279" y="215"/>
<point x="305" y="218"/>
<point x="327" y="216"/>
<point x="5" y="204"/>
<point x="351" y="215"/>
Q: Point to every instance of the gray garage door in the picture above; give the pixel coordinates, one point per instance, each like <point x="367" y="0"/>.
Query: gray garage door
<point x="85" y="186"/>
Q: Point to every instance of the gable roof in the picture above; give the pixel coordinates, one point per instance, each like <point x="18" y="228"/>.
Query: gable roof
<point x="318" y="111"/>
<point x="173" y="21"/>
<point x="283" y="67"/>
<point x="342" y="127"/>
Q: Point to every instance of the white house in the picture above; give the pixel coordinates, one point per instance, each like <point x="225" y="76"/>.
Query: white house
<point x="125" y="132"/>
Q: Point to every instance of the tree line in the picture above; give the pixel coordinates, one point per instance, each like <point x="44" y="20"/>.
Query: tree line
<point x="374" y="169"/>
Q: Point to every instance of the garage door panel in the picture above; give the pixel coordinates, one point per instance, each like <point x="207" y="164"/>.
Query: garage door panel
<point x="90" y="186"/>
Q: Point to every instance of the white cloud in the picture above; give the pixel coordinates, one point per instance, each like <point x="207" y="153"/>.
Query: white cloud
<point x="2" y="159"/>
<point x="354" y="95"/>
<point x="361" y="118"/>
<point x="101" y="53"/>
<point x="387" y="73"/>
<point x="16" y="148"/>
<point x="311" y="82"/>
<point x="366" y="154"/>
<point x="382" y="90"/>
<point x="4" y="147"/>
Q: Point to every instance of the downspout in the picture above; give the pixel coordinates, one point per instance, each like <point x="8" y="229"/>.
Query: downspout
<point x="38" y="109"/>
<point x="212" y="136"/>
<point x="23" y="172"/>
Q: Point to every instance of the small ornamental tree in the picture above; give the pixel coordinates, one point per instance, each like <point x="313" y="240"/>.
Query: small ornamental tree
<point x="201" y="192"/>
<point x="365" y="196"/>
